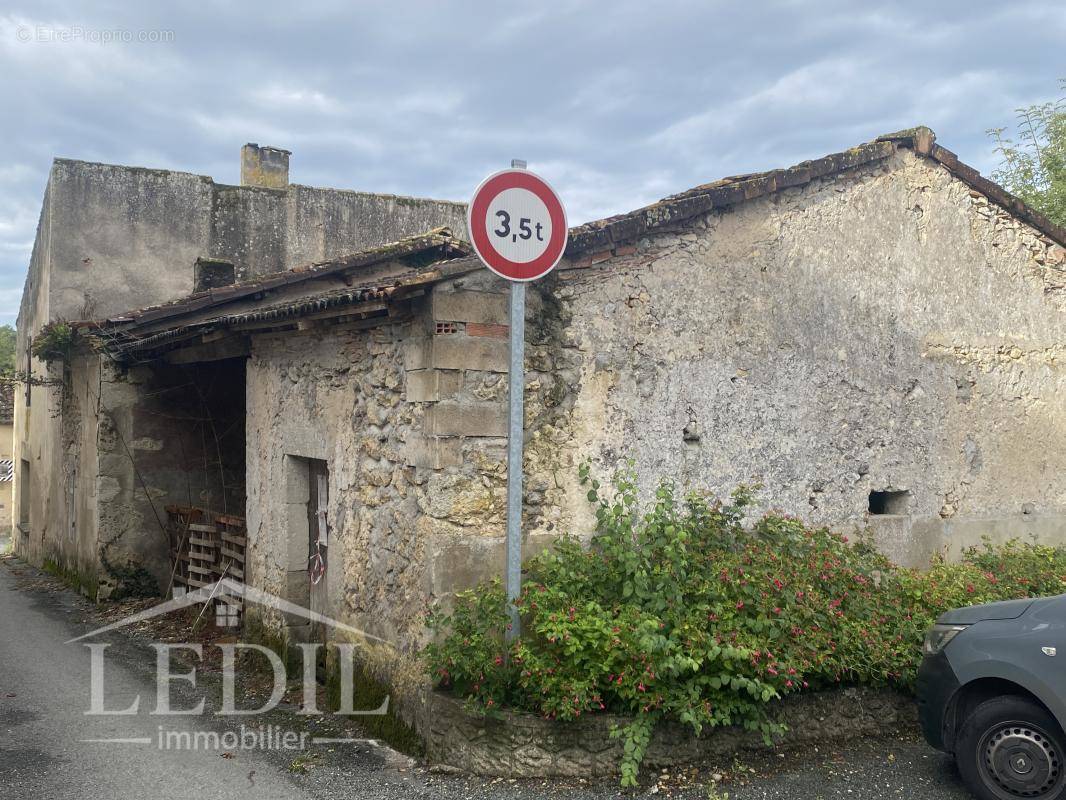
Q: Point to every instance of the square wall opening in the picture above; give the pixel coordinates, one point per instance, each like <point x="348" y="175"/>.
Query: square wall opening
<point x="889" y="502"/>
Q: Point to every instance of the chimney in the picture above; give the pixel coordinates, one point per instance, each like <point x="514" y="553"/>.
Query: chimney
<point x="267" y="167"/>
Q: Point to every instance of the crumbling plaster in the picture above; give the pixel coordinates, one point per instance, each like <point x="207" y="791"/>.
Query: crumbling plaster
<point x="881" y="329"/>
<point x="115" y="238"/>
<point x="878" y="329"/>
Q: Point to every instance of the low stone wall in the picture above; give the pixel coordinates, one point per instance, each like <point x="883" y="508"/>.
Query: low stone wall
<point x="527" y="746"/>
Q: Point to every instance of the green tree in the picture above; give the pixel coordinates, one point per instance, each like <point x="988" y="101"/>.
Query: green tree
<point x="1033" y="164"/>
<point x="7" y="349"/>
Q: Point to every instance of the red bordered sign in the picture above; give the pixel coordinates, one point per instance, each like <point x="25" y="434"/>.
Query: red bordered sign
<point x="517" y="225"/>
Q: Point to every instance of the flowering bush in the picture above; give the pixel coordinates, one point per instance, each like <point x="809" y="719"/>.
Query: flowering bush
<point x="680" y="611"/>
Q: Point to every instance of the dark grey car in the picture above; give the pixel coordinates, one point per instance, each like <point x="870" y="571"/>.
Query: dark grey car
<point x="992" y="691"/>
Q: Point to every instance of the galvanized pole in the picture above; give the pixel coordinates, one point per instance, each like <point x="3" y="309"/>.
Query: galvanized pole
<point x="515" y="434"/>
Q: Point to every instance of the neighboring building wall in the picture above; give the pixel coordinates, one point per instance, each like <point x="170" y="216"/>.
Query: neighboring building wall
<point x="7" y="454"/>
<point x="7" y="434"/>
<point x="113" y="238"/>
<point x="117" y="238"/>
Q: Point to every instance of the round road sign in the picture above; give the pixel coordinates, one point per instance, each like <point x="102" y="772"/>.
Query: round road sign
<point x="517" y="225"/>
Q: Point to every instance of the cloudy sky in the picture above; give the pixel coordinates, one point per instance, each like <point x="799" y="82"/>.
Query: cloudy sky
<point x="617" y="103"/>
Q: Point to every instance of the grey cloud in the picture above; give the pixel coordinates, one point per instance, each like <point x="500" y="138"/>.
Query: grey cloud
<point x="617" y="104"/>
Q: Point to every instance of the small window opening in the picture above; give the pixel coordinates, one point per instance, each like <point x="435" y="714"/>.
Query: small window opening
<point x="889" y="502"/>
<point x="444" y="328"/>
<point x="213" y="273"/>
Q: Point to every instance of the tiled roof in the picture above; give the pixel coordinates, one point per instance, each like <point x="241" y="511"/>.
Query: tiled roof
<point x="157" y="326"/>
<point x="438" y="239"/>
<point x="605" y="234"/>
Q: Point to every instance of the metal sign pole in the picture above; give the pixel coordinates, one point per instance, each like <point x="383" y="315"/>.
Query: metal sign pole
<point x="515" y="433"/>
<point x="517" y="226"/>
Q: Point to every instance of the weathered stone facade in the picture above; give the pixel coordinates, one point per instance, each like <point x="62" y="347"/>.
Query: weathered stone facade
<point x="410" y="418"/>
<point x="879" y="329"/>
<point x="871" y="337"/>
<point x="527" y="746"/>
<point x="882" y="329"/>
<point x="114" y="238"/>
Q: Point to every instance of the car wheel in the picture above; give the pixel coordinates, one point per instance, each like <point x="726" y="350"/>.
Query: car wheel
<point x="1011" y="747"/>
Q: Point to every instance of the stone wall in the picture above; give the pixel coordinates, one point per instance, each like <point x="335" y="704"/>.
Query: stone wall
<point x="410" y="419"/>
<point x="127" y="237"/>
<point x="7" y="434"/>
<point x="336" y="398"/>
<point x="130" y="442"/>
<point x="527" y="746"/>
<point x="65" y="406"/>
<point x="884" y="329"/>
<point x="113" y="238"/>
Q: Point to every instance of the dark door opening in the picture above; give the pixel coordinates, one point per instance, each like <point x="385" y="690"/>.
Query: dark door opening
<point x="318" y="550"/>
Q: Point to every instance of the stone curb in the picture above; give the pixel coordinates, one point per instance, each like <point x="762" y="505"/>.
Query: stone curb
<point x="519" y="745"/>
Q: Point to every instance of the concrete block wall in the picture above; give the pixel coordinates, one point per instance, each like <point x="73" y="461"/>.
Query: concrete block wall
<point x="464" y="333"/>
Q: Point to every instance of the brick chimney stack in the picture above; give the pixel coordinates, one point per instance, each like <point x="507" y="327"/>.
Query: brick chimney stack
<point x="267" y="167"/>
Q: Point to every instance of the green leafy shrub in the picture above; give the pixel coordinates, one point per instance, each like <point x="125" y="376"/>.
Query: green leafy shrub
<point x="680" y="611"/>
<point x="54" y="342"/>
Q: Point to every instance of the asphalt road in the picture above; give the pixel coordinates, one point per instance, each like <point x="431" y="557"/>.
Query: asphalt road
<point x="44" y="752"/>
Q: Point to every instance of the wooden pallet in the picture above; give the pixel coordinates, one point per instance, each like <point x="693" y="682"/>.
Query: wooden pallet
<point x="206" y="546"/>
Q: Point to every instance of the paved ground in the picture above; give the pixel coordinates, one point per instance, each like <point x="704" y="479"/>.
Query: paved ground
<point x="45" y="690"/>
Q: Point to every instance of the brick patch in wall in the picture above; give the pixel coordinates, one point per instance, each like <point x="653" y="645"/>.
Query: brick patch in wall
<point x="487" y="329"/>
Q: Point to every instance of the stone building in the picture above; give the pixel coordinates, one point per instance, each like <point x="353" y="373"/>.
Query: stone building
<point x="101" y="448"/>
<point x="7" y="444"/>
<point x="875" y="336"/>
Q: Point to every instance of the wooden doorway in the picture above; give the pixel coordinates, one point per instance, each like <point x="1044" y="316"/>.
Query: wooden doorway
<point x="318" y="543"/>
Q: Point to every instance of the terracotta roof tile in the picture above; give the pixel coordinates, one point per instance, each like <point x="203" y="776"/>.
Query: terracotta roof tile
<point x="605" y="234"/>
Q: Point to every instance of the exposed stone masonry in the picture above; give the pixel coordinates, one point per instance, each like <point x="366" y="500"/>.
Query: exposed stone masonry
<point x="527" y="746"/>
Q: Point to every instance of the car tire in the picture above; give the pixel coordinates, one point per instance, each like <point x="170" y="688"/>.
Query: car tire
<point x="1011" y="747"/>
